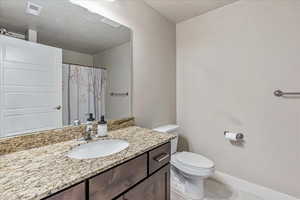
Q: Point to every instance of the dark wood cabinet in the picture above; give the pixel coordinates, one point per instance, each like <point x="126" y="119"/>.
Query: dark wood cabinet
<point x="156" y="187"/>
<point x="76" y="192"/>
<point x="117" y="180"/>
<point x="146" y="177"/>
<point x="159" y="157"/>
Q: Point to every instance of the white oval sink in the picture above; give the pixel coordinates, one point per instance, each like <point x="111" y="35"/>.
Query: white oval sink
<point x="98" y="149"/>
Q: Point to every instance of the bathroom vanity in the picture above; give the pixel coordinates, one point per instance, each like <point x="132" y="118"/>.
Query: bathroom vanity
<point x="141" y="171"/>
<point x="148" y="174"/>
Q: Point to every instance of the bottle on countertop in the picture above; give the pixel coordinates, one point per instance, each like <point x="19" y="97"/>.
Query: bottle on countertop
<point x="102" y="127"/>
<point x="89" y="122"/>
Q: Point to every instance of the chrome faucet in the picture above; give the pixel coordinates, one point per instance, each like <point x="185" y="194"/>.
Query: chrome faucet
<point x="76" y="122"/>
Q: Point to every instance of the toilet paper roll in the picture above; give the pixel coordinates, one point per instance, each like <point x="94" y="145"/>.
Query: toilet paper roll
<point x="233" y="136"/>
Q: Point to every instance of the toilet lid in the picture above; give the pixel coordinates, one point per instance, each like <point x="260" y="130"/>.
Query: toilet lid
<point x="193" y="160"/>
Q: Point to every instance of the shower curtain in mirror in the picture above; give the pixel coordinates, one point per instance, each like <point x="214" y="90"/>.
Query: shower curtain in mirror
<point x="83" y="92"/>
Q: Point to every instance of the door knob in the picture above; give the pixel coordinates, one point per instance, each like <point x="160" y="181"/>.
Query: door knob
<point x="58" y="107"/>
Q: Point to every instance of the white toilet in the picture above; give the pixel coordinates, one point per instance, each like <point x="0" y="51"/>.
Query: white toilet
<point x="188" y="170"/>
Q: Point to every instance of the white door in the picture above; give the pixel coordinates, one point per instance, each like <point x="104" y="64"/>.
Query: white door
<point x="30" y="87"/>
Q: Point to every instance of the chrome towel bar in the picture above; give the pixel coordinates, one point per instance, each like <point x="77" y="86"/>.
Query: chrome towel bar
<point x="119" y="94"/>
<point x="279" y="93"/>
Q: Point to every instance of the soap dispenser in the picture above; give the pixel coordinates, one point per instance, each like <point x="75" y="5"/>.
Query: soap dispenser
<point x="102" y="128"/>
<point x="89" y="122"/>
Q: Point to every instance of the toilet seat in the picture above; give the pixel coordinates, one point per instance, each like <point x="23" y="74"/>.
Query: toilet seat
<point x="192" y="164"/>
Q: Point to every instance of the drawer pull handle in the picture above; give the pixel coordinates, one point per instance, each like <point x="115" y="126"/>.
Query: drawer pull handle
<point x="162" y="157"/>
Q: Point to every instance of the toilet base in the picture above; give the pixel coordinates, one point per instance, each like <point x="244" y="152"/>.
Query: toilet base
<point x="186" y="188"/>
<point x="195" y="188"/>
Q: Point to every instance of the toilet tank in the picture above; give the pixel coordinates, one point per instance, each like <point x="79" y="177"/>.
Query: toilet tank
<point x="171" y="129"/>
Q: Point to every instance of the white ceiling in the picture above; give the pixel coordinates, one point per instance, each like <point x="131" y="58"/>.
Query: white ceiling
<point x="180" y="10"/>
<point x="63" y="24"/>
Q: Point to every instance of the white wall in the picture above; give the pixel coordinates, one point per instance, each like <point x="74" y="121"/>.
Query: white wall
<point x="77" y="58"/>
<point x="154" y="93"/>
<point x="229" y="62"/>
<point x="117" y="61"/>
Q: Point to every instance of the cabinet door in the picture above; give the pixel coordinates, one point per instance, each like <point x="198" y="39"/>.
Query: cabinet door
<point x="156" y="187"/>
<point x="113" y="182"/>
<point x="74" y="193"/>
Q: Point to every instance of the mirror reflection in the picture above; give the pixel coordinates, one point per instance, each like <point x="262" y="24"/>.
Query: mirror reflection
<point x="60" y="68"/>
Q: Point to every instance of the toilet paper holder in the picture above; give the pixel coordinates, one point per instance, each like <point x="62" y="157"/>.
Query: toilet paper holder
<point x="238" y="136"/>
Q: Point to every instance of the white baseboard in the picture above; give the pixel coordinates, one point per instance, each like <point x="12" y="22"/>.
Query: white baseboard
<point x="245" y="186"/>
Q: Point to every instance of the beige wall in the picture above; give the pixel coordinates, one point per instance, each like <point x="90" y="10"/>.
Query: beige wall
<point x="118" y="63"/>
<point x="77" y="58"/>
<point x="154" y="51"/>
<point x="229" y="62"/>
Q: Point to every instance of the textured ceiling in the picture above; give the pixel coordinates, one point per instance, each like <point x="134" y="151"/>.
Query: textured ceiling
<point x="63" y="24"/>
<point x="180" y="10"/>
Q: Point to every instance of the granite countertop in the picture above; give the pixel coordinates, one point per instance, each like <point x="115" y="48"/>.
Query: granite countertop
<point x="37" y="173"/>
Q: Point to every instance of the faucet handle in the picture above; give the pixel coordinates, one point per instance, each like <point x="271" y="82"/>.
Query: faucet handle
<point x="76" y="122"/>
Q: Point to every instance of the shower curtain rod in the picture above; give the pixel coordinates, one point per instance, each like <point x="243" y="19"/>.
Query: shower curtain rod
<point x="67" y="63"/>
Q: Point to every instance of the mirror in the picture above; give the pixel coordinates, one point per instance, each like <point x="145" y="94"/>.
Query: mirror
<point x="60" y="62"/>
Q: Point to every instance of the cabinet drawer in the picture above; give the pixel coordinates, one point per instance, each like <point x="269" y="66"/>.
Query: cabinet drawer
<point x="115" y="181"/>
<point x="75" y="193"/>
<point x="159" y="157"/>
